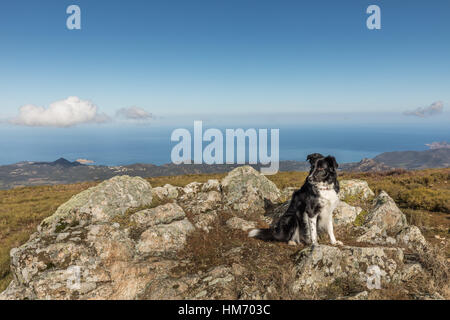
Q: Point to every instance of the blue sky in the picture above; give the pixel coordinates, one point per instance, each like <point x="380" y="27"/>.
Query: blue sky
<point x="236" y="56"/>
<point x="113" y="91"/>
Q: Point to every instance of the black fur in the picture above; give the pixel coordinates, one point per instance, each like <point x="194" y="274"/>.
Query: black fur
<point x="304" y="202"/>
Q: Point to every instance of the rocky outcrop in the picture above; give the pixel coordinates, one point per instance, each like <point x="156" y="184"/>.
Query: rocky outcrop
<point x="355" y="188"/>
<point x="385" y="222"/>
<point x="385" y="215"/>
<point x="412" y="238"/>
<point x="202" y="201"/>
<point x="82" y="252"/>
<point x="124" y="239"/>
<point x="166" y="229"/>
<point x="246" y="191"/>
<point x="100" y="203"/>
<point x="345" y="214"/>
<point x="168" y="192"/>
<point x="318" y="267"/>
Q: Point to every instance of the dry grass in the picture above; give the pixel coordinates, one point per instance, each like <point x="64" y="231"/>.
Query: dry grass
<point x="262" y="265"/>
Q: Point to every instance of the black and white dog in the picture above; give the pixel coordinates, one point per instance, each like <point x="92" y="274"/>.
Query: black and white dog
<point x="311" y="206"/>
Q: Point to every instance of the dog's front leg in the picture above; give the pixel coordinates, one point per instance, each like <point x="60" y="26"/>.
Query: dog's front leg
<point x="330" y="232"/>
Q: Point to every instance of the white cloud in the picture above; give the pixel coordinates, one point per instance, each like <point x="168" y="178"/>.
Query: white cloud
<point x="435" y="108"/>
<point x="63" y="113"/>
<point x="134" y="113"/>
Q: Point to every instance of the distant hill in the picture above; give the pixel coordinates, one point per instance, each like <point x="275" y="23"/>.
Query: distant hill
<point x="63" y="171"/>
<point x="60" y="162"/>
<point x="365" y="165"/>
<point x="412" y="160"/>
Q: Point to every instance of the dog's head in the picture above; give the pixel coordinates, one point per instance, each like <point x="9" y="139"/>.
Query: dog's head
<point x="323" y="169"/>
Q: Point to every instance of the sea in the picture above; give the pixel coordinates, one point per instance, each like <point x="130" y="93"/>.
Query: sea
<point x="123" y="144"/>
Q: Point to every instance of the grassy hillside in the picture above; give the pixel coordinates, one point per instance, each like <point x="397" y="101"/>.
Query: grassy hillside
<point x="424" y="197"/>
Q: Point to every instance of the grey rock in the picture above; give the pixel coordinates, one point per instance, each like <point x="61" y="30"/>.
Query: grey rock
<point x="165" y="239"/>
<point x="345" y="214"/>
<point x="211" y="185"/>
<point x="385" y="215"/>
<point x="163" y="214"/>
<point x="318" y="267"/>
<point x="411" y="237"/>
<point x="355" y="187"/>
<point x="245" y="191"/>
<point x="103" y="202"/>
<point x="167" y="192"/>
<point x="205" y="220"/>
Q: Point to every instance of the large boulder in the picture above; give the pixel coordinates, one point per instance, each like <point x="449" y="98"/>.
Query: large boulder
<point x="166" y="228"/>
<point x="386" y="224"/>
<point x="202" y="201"/>
<point x="166" y="193"/>
<point x="101" y="203"/>
<point x="317" y="268"/>
<point x="247" y="191"/>
<point x="164" y="239"/>
<point x="385" y="215"/>
<point x="412" y="238"/>
<point x="163" y="214"/>
<point x="354" y="188"/>
<point x="107" y="254"/>
<point x="345" y="214"/>
<point x="93" y="262"/>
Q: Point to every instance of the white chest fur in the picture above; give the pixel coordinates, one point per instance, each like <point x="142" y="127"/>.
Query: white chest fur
<point x="328" y="198"/>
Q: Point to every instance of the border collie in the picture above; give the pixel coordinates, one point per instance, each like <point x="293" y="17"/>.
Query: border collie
<point x="311" y="207"/>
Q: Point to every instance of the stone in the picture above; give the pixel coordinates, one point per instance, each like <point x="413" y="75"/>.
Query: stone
<point x="355" y="188"/>
<point x="385" y="215"/>
<point x="103" y="202"/>
<point x="165" y="239"/>
<point x="246" y="191"/>
<point x="318" y="267"/>
<point x="167" y="192"/>
<point x="163" y="214"/>
<point x="345" y="214"/>
<point x="412" y="238"/>
<point x="212" y="185"/>
<point x="205" y="221"/>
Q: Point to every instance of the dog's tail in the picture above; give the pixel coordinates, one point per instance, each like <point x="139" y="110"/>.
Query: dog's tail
<point x="263" y="234"/>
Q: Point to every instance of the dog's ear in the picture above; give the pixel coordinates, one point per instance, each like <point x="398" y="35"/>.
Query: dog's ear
<point x="313" y="157"/>
<point x="332" y="162"/>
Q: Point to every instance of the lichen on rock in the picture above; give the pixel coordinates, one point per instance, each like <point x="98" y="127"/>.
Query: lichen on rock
<point x="245" y="191"/>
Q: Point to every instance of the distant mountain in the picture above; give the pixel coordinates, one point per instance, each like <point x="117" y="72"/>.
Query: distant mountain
<point x="412" y="160"/>
<point x="63" y="171"/>
<point x="366" y="165"/>
<point x="60" y="162"/>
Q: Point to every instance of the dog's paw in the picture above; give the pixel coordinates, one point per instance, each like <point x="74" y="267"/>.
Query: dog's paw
<point x="292" y="243"/>
<point x="337" y="243"/>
